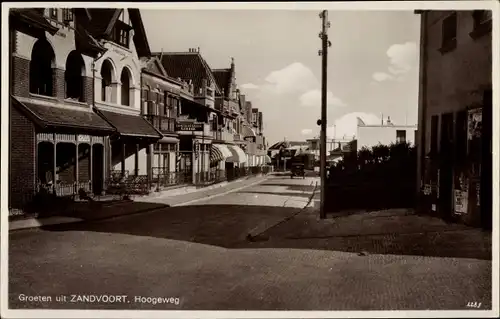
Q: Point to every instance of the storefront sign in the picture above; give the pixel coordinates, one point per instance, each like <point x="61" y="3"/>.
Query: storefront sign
<point x="461" y="202"/>
<point x="475" y="123"/>
<point x="189" y="126"/>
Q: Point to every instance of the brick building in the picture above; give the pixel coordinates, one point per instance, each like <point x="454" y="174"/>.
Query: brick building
<point x="57" y="143"/>
<point x="455" y="115"/>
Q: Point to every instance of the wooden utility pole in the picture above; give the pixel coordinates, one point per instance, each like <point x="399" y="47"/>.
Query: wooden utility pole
<point x="324" y="55"/>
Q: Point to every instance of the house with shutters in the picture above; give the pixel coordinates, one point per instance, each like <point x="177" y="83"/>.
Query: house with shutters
<point x="161" y="95"/>
<point x="117" y="89"/>
<point x="57" y="143"/>
<point x="199" y="119"/>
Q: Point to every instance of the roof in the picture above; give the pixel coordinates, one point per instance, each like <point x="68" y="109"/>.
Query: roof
<point x="187" y="66"/>
<point x="286" y="144"/>
<point x="130" y="125"/>
<point x="33" y="17"/>
<point x="47" y="116"/>
<point x="223" y="79"/>
<point x="154" y="67"/>
<point x="104" y="20"/>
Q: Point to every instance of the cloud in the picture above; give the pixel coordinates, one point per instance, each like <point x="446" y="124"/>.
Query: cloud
<point x="306" y="131"/>
<point x="402" y="59"/>
<point x="249" y="86"/>
<point x="295" y="77"/>
<point x="347" y="125"/>
<point x="312" y="98"/>
<point x="381" y="76"/>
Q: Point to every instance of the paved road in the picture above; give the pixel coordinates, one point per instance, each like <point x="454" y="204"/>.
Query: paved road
<point x="196" y="257"/>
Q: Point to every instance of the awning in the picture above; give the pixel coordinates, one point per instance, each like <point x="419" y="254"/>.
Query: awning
<point x="268" y="159"/>
<point x="215" y="155"/>
<point x="238" y="156"/>
<point x="130" y="125"/>
<point x="248" y="132"/>
<point x="223" y="149"/>
<point x="169" y="140"/>
<point x="53" y="116"/>
<point x="219" y="152"/>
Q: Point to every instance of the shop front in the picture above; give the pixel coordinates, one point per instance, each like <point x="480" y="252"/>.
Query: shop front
<point x="68" y="147"/>
<point x="131" y="150"/>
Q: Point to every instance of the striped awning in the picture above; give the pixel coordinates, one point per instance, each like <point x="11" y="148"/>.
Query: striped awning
<point x="219" y="153"/>
<point x="238" y="156"/>
<point x="248" y="132"/>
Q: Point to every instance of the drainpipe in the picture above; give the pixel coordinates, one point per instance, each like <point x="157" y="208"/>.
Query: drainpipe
<point x="423" y="100"/>
<point x="94" y="60"/>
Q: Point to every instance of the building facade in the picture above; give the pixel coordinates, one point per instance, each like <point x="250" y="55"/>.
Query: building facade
<point x="386" y="133"/>
<point x="57" y="143"/>
<point x="117" y="90"/>
<point x="161" y="96"/>
<point x="455" y="115"/>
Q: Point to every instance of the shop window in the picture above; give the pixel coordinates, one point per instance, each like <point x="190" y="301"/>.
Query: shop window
<point x="461" y="136"/>
<point x="449" y="33"/>
<point x="41" y="73"/>
<point x="73" y="76"/>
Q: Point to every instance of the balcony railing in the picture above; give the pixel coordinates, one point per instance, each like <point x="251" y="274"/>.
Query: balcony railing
<point x="237" y="137"/>
<point x="163" y="124"/>
<point x="223" y="136"/>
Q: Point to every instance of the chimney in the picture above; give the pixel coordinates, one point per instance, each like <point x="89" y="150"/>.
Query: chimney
<point x="382" y="119"/>
<point x="161" y="54"/>
<point x="389" y="120"/>
<point x="198" y="50"/>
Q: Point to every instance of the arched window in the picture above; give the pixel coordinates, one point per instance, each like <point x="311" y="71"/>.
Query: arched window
<point x="125" y="79"/>
<point x="106" y="75"/>
<point x="73" y="76"/>
<point x="42" y="60"/>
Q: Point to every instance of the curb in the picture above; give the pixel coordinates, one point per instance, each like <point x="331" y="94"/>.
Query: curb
<point x="31" y="223"/>
<point x="256" y="232"/>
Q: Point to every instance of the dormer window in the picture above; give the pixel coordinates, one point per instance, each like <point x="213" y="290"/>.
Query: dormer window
<point x="53" y="13"/>
<point x="122" y="34"/>
<point x="67" y="15"/>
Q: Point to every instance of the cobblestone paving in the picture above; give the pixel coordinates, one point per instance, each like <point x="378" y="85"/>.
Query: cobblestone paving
<point x="196" y="253"/>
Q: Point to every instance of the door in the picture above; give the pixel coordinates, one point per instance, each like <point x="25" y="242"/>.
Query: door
<point x="97" y="168"/>
<point x="445" y="167"/>
<point x="185" y="167"/>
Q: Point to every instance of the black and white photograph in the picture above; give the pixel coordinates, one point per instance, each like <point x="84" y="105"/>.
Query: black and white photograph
<point x="230" y="160"/>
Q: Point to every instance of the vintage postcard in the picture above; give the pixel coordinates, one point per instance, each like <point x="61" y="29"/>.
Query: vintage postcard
<point x="247" y="160"/>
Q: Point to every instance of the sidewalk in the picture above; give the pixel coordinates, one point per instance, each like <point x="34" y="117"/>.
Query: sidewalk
<point x="84" y="211"/>
<point x="392" y="231"/>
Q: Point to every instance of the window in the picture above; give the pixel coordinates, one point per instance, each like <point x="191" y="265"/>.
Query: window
<point x="121" y="34"/>
<point x="106" y="79"/>
<point x="125" y="91"/>
<point x="400" y="136"/>
<point x="481" y="17"/>
<point x="67" y="15"/>
<point x="53" y="13"/>
<point x="73" y="75"/>
<point x="482" y="23"/>
<point x="449" y="33"/>
<point x="145" y="101"/>
<point x="42" y="59"/>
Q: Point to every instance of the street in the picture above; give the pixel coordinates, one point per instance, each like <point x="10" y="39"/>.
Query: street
<point x="197" y="257"/>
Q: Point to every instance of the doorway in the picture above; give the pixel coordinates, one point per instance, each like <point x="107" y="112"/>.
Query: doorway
<point x="445" y="167"/>
<point x="97" y="168"/>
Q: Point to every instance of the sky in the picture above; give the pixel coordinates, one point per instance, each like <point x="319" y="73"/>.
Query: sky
<point x="372" y="63"/>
